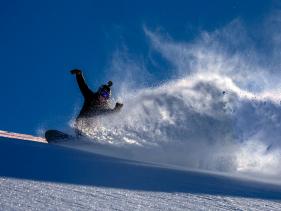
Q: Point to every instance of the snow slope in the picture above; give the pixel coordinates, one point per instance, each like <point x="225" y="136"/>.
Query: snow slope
<point x="219" y="113"/>
<point x="41" y="176"/>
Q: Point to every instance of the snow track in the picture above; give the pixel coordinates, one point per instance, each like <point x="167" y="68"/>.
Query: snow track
<point x="20" y="136"/>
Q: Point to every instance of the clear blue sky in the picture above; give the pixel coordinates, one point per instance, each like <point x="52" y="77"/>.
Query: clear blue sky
<point x="40" y="41"/>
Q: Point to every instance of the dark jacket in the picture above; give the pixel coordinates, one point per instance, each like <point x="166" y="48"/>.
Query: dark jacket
<point x="92" y="106"/>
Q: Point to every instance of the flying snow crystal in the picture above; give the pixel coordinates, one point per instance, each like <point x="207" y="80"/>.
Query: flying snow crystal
<point x="221" y="113"/>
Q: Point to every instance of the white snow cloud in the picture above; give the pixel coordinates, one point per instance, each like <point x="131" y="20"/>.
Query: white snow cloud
<point x="207" y="118"/>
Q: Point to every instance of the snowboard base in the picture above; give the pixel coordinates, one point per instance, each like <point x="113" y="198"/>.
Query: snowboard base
<point x="55" y="136"/>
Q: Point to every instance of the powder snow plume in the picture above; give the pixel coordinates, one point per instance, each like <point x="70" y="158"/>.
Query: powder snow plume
<point x="221" y="112"/>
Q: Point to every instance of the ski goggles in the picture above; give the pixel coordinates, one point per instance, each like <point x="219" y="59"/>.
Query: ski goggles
<point x="105" y="94"/>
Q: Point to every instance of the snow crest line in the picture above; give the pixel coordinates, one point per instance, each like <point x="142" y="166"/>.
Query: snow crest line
<point x="20" y="136"/>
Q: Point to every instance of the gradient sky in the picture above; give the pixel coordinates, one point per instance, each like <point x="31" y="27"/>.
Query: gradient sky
<point x="40" y="41"/>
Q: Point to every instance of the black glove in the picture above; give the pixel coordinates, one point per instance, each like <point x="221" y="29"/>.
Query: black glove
<point x="75" y="72"/>
<point x="118" y="106"/>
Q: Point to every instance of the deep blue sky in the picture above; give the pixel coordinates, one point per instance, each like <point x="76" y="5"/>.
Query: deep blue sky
<point x="40" y="41"/>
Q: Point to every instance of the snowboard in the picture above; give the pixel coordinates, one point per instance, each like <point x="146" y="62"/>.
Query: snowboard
<point x="55" y="136"/>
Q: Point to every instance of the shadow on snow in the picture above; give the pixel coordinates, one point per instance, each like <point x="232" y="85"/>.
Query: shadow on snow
<point x="42" y="162"/>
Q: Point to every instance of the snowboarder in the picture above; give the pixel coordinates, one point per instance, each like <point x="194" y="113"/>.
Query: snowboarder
<point x="95" y="103"/>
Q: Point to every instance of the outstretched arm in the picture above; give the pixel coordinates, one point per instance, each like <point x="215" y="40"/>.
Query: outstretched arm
<point x="81" y="83"/>
<point x="117" y="108"/>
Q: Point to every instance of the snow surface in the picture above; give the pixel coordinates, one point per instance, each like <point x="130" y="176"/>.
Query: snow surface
<point x="37" y="176"/>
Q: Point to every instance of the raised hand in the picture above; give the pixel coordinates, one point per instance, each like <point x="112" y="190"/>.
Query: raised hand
<point x="75" y="72"/>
